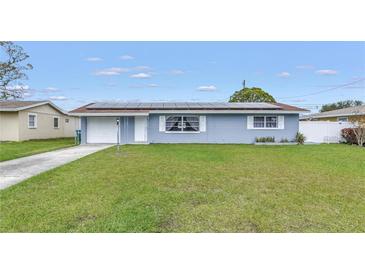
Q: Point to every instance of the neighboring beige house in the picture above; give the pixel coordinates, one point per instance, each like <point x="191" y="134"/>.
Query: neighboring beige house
<point x="25" y="120"/>
<point x="350" y="114"/>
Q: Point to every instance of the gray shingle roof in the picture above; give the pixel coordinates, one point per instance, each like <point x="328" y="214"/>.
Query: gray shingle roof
<point x="17" y="104"/>
<point x="358" y="110"/>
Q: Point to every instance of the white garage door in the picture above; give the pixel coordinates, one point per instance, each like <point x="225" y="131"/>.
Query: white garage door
<point x="102" y="130"/>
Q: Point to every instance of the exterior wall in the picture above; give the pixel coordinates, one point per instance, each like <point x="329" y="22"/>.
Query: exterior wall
<point x="223" y="128"/>
<point x="45" y="129"/>
<point x="9" y="126"/>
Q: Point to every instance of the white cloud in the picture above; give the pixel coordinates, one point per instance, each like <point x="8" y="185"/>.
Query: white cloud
<point x="305" y="67"/>
<point x="126" y="57"/>
<point x="51" y="89"/>
<point x="110" y="71"/>
<point x="144" y="86"/>
<point x="207" y="88"/>
<point x="152" y="85"/>
<point x="283" y="74"/>
<point x="177" y="72"/>
<point x="27" y="94"/>
<point x="58" y="98"/>
<point x="17" y="87"/>
<point x="93" y="59"/>
<point x="141" y="75"/>
<point x="326" y="72"/>
<point x="142" y="68"/>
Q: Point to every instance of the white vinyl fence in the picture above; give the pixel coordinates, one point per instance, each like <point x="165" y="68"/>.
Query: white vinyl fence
<point x="322" y="131"/>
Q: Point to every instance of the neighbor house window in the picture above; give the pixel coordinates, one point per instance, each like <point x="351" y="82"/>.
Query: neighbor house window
<point x="56" y="122"/>
<point x="182" y="124"/>
<point x="32" y="120"/>
<point x="265" y="121"/>
<point x="343" y="119"/>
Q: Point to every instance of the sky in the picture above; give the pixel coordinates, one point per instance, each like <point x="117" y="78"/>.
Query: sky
<point x="305" y="74"/>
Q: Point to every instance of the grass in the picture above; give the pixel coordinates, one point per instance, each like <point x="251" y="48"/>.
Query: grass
<point x="195" y="188"/>
<point x="13" y="150"/>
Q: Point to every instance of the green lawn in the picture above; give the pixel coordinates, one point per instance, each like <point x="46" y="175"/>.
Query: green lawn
<point x="12" y="150"/>
<point x="195" y="188"/>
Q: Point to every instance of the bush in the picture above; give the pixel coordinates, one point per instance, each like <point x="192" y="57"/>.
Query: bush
<point x="349" y="135"/>
<point x="284" y="140"/>
<point x="265" y="139"/>
<point x="300" y="138"/>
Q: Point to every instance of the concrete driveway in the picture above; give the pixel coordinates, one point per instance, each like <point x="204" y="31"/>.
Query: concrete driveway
<point x="17" y="170"/>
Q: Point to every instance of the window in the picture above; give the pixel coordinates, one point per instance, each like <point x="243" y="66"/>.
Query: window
<point x="258" y="121"/>
<point x="265" y="121"/>
<point x="271" y="121"/>
<point x="55" y="122"/>
<point x="343" y="119"/>
<point x="67" y="120"/>
<point x="182" y="124"/>
<point x="32" y="120"/>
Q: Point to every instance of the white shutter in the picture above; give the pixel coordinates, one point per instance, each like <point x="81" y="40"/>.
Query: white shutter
<point x="162" y="125"/>
<point x="249" y="122"/>
<point x="203" y="123"/>
<point x="281" y="122"/>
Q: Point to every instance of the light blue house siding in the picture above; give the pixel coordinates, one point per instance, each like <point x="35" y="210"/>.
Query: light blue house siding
<point x="223" y="128"/>
<point x="220" y="128"/>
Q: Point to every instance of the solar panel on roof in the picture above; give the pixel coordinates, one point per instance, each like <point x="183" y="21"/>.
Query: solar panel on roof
<point x="181" y="105"/>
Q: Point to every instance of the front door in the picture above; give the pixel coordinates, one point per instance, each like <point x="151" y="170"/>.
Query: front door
<point x="140" y="129"/>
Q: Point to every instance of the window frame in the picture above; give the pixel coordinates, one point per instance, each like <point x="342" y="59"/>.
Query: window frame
<point x="343" y="117"/>
<point x="35" y="120"/>
<point x="265" y="125"/>
<point x="182" y="121"/>
<point x="58" y="122"/>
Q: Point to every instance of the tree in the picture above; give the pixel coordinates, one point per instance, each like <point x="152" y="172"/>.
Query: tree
<point x="359" y="129"/>
<point x="341" y="104"/>
<point x="252" y="95"/>
<point x="12" y="70"/>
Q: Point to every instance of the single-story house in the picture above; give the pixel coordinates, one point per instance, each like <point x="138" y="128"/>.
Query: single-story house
<point x="25" y="120"/>
<point x="143" y="123"/>
<point x="350" y="114"/>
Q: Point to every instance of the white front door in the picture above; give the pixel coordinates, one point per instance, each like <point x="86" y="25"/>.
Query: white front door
<point x="140" y="129"/>
<point x="102" y="130"/>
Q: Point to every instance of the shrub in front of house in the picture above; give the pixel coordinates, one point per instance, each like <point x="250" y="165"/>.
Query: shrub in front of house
<point x="284" y="140"/>
<point x="265" y="139"/>
<point x="349" y="135"/>
<point x="300" y="138"/>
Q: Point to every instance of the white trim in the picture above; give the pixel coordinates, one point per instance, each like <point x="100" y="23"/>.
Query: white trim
<point x="58" y="123"/>
<point x="263" y="128"/>
<point x="342" y="117"/>
<point x="203" y="123"/>
<point x="182" y="121"/>
<point x="281" y="122"/>
<point x="112" y="114"/>
<point x="308" y="117"/>
<point x="35" y="120"/>
<point x="161" y="123"/>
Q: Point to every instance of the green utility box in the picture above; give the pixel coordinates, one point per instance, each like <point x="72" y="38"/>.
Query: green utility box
<point x="78" y="136"/>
